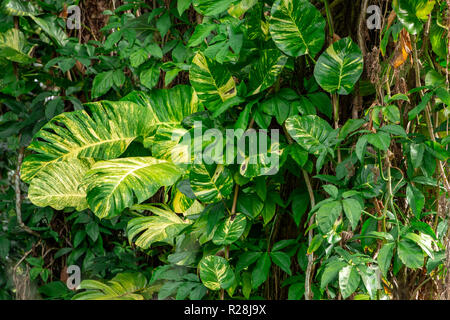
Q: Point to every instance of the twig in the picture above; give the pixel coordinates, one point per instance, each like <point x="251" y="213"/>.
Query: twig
<point x="308" y="293"/>
<point x="19" y="195"/>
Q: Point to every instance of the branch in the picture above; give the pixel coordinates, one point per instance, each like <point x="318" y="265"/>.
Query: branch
<point x="19" y="195"/>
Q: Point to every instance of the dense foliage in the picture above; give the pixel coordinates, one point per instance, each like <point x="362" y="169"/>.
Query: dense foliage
<point x="116" y="158"/>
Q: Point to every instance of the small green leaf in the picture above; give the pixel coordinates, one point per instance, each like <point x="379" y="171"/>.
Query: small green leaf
<point x="102" y="83"/>
<point x="261" y="270"/>
<point x="328" y="214"/>
<point x="183" y="5"/>
<point x="338" y="69"/>
<point x="416" y="151"/>
<point x="353" y="211"/>
<point x="92" y="230"/>
<point x="282" y="260"/>
<point x="216" y="273"/>
<point x="416" y="200"/>
<point x="380" y="140"/>
<point x="211" y="7"/>
<point x="331" y="272"/>
<point x="200" y="33"/>
<point x="349" y="279"/>
<point x="410" y="254"/>
<point x="385" y="257"/>
<point x="230" y="230"/>
<point x="315" y="244"/>
<point x="297" y="27"/>
<point x="163" y="24"/>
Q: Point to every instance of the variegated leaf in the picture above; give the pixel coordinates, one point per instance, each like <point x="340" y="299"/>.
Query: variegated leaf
<point x="230" y="230"/>
<point x="161" y="227"/>
<point x="58" y="185"/>
<point x="124" y="286"/>
<point x="167" y="107"/>
<point x="12" y="47"/>
<point x="338" y="69"/>
<point x="117" y="184"/>
<point x="104" y="133"/>
<point x="266" y="70"/>
<point x="211" y="183"/>
<point x="310" y="132"/>
<point x="216" y="273"/>
<point x="297" y="27"/>
<point x="212" y="81"/>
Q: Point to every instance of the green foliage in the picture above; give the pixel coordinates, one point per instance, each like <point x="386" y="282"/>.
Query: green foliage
<point x="99" y="125"/>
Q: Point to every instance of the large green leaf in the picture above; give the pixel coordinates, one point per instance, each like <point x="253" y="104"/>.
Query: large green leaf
<point x="12" y="46"/>
<point x="211" y="7"/>
<point x="103" y="133"/>
<point x="413" y="13"/>
<point x="353" y="211"/>
<point x="19" y="8"/>
<point x="59" y="185"/>
<point x="416" y="200"/>
<point x="410" y="254"/>
<point x="211" y="183"/>
<point x="328" y="214"/>
<point x="297" y="27"/>
<point x="216" y="273"/>
<point x="230" y="230"/>
<point x="212" y="81"/>
<point x="261" y="157"/>
<point x="169" y="144"/>
<point x="161" y="227"/>
<point x="349" y="279"/>
<point x="331" y="272"/>
<point x="385" y="257"/>
<point x="50" y="26"/>
<point x="261" y="271"/>
<point x="338" y="69"/>
<point x="167" y="107"/>
<point x="310" y="132"/>
<point x="266" y="70"/>
<point x="117" y="184"/>
<point x="124" y="286"/>
<point x="438" y="40"/>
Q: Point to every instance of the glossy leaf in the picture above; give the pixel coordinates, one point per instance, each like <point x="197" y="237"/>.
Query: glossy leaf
<point x="266" y="70"/>
<point x="338" y="69"/>
<point x="124" y="286"/>
<point x="212" y="81"/>
<point x="410" y="254"/>
<point x="310" y="132"/>
<point x="12" y="47"/>
<point x="353" y="211"/>
<point x="59" y="185"/>
<point x="297" y="27"/>
<point x="349" y="279"/>
<point x="230" y="230"/>
<point x="413" y="13"/>
<point x="216" y="273"/>
<point x="328" y="214"/>
<point x="104" y="134"/>
<point x="211" y="183"/>
<point x="120" y="183"/>
<point x="385" y="257"/>
<point x="163" y="226"/>
<point x="211" y="7"/>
